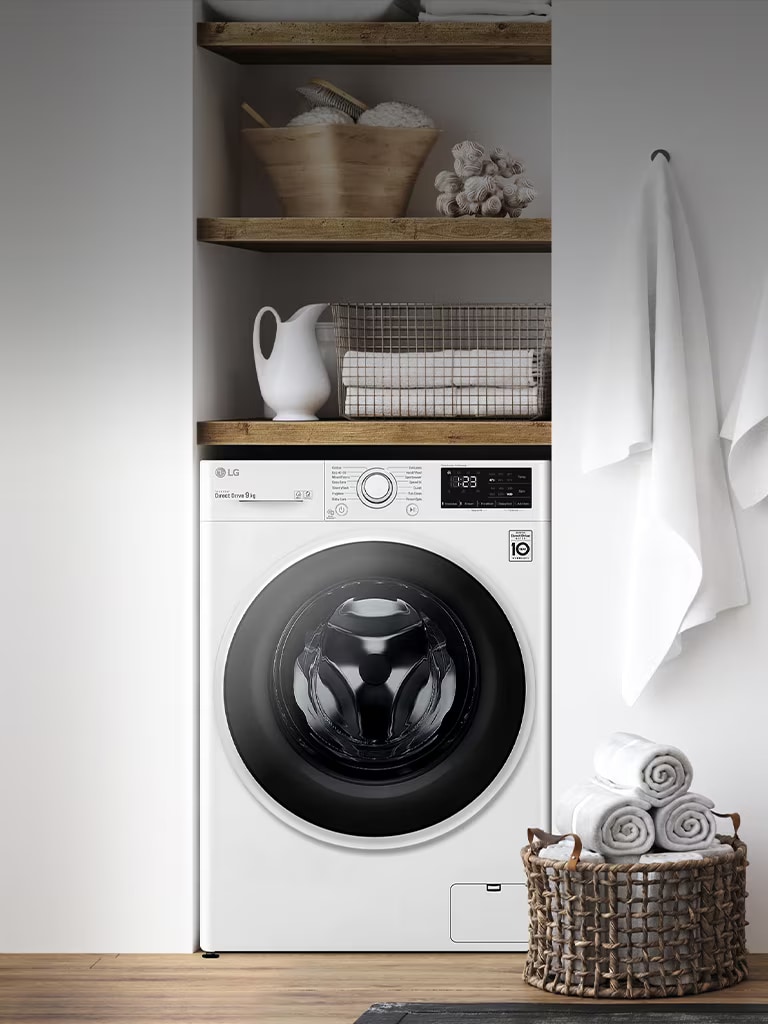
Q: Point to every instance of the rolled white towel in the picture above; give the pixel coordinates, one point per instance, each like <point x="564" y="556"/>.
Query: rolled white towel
<point x="686" y="823"/>
<point x="612" y="821"/>
<point x="659" y="772"/>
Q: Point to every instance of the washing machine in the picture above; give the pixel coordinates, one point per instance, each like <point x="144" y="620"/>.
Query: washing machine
<point x="374" y="710"/>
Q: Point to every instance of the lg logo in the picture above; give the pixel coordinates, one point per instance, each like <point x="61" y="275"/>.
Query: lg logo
<point x="221" y="472"/>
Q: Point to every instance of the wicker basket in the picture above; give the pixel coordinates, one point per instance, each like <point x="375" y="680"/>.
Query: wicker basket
<point x="635" y="931"/>
<point x="337" y="170"/>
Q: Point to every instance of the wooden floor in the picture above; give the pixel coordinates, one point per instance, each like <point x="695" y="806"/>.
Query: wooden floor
<point x="268" y="988"/>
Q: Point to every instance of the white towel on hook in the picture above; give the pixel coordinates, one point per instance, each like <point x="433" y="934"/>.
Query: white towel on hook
<point x="746" y="424"/>
<point x="654" y="394"/>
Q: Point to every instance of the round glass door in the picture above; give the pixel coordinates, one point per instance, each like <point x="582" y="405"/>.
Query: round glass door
<point x="374" y="689"/>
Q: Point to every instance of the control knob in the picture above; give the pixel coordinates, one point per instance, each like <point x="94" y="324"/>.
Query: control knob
<point x="376" y="488"/>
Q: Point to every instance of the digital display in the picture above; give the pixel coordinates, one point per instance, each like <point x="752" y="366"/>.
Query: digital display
<point x="466" y="480"/>
<point x="487" y="487"/>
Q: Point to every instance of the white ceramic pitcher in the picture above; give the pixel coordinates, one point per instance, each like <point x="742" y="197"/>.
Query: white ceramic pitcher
<point x="293" y="381"/>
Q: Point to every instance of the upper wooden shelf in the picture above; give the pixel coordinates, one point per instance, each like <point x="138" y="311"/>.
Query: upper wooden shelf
<point x="379" y="234"/>
<point x="288" y="42"/>
<point x="376" y="432"/>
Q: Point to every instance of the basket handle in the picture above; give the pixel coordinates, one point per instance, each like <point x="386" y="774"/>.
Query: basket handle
<point x="548" y="837"/>
<point x="735" y="818"/>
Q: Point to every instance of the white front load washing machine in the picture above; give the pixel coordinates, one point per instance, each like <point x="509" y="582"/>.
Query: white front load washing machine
<point x="374" y="713"/>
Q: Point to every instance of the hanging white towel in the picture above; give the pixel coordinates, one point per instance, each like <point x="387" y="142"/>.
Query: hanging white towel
<point x="746" y="424"/>
<point x="654" y="394"/>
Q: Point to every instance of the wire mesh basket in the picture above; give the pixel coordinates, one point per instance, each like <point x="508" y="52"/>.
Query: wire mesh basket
<point x="415" y="360"/>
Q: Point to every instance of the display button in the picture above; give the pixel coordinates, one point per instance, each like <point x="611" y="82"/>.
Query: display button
<point x="412" y="509"/>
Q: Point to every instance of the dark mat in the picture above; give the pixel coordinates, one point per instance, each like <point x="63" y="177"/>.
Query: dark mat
<point x="636" y="1012"/>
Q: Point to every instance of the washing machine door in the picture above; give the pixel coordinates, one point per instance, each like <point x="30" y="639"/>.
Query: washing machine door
<point x="374" y="689"/>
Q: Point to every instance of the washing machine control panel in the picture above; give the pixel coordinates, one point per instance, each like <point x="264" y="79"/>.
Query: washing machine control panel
<point x="374" y="492"/>
<point x="360" y="491"/>
<point x="434" y="491"/>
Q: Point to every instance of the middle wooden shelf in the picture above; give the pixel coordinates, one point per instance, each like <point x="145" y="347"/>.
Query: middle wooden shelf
<point x="379" y="234"/>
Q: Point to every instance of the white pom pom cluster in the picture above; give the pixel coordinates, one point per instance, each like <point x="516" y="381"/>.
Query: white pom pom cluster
<point x="483" y="184"/>
<point x="396" y="115"/>
<point x="321" y="115"/>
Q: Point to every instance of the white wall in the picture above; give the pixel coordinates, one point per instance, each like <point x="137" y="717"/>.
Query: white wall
<point x="97" y="511"/>
<point x="628" y="78"/>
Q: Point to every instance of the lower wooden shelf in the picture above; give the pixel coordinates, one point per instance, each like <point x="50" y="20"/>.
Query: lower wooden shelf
<point x="376" y="432"/>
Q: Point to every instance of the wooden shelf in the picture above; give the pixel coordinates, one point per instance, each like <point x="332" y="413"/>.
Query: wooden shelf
<point x="379" y="234"/>
<point x="286" y="42"/>
<point x="376" y="432"/>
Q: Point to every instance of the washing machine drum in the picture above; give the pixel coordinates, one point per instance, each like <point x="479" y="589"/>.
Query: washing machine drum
<point x="374" y="689"/>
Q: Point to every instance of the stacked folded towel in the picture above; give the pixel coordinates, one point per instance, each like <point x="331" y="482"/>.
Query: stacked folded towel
<point x="481" y="382"/>
<point x="485" y="10"/>
<point x="639" y="800"/>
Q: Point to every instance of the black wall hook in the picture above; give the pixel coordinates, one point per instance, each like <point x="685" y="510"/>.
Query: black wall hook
<point x="663" y="152"/>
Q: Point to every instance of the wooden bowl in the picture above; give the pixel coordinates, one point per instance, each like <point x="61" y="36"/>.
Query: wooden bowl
<point x="342" y="170"/>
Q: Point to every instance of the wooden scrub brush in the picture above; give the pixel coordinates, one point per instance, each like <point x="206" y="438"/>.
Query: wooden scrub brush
<point x="320" y="93"/>
<point x="254" y="115"/>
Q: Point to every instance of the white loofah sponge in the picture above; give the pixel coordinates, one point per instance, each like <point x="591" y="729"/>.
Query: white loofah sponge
<point x="396" y="115"/>
<point x="321" y="115"/>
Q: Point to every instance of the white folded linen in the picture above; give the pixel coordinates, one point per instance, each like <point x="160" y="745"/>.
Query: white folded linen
<point x="315" y="10"/>
<point x="484" y="17"/>
<point x="611" y="821"/>
<point x="482" y="367"/>
<point x="658" y="772"/>
<point x="486" y="6"/>
<point x="652" y="379"/>
<point x="746" y="425"/>
<point x="686" y="823"/>
<point x="562" y="852"/>
<point x="717" y="849"/>
<point x="397" y="369"/>
<point x="487" y="367"/>
<point x="443" y="402"/>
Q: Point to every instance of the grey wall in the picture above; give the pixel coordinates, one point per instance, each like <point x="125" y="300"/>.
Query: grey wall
<point x="97" y="511"/>
<point x="628" y="78"/>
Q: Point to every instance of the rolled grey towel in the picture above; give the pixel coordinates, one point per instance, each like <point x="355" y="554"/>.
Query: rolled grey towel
<point x="614" y="822"/>
<point x="686" y="823"/>
<point x="657" y="771"/>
